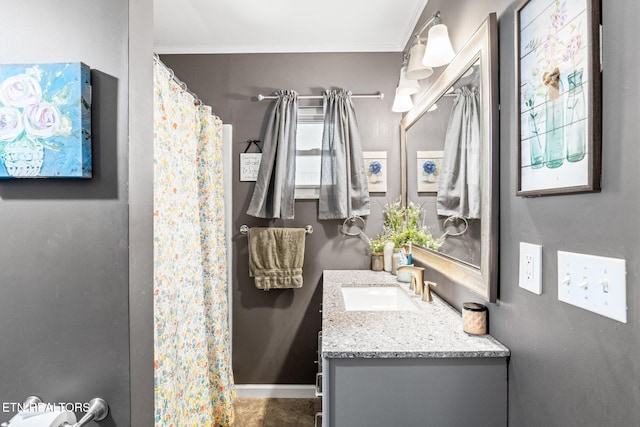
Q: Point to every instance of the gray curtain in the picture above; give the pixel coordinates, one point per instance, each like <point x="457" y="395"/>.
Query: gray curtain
<point x="273" y="194"/>
<point x="459" y="184"/>
<point x="343" y="182"/>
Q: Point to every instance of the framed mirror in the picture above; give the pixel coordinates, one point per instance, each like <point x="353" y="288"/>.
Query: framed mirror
<point x="449" y="157"/>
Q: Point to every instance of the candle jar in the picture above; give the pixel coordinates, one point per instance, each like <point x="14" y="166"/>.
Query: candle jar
<point x="474" y="318"/>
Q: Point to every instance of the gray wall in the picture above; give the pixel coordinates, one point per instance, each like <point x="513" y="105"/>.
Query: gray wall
<point x="64" y="259"/>
<point x="274" y="333"/>
<point x="568" y="367"/>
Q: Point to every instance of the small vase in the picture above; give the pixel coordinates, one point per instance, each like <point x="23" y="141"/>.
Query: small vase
<point x="388" y="253"/>
<point x="373" y="178"/>
<point x="395" y="261"/>
<point x="23" y="157"/>
<point x="377" y="261"/>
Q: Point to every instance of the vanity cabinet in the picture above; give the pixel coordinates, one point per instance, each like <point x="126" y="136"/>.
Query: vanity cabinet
<point x="415" y="392"/>
<point x="406" y="368"/>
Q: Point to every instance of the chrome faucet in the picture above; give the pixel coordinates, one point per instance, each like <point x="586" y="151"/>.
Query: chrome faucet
<point x="417" y="281"/>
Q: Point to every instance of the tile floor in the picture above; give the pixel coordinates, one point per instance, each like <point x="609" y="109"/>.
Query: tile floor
<point x="276" y="412"/>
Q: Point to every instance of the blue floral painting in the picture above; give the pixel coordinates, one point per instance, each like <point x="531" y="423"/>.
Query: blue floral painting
<point x="428" y="170"/>
<point x="45" y="121"/>
<point x="375" y="163"/>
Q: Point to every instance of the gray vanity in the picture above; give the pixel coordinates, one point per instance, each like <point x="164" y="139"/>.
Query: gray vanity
<point x="399" y="366"/>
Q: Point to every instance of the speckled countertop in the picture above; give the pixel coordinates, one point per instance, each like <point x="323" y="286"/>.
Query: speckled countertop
<point x="434" y="331"/>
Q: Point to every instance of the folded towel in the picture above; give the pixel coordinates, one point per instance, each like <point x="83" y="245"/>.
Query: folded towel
<point x="276" y="256"/>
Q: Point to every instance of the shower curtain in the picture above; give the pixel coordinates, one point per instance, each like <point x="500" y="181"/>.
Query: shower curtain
<point x="193" y="376"/>
<point x="459" y="183"/>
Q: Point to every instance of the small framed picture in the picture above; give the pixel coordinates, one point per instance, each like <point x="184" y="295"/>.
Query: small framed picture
<point x="249" y="166"/>
<point x="428" y="170"/>
<point x="375" y="166"/>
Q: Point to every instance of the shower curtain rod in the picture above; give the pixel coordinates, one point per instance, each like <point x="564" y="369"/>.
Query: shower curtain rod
<point x="378" y="95"/>
<point x="177" y="81"/>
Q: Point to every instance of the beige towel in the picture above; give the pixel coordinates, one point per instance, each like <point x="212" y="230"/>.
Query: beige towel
<point x="276" y="256"/>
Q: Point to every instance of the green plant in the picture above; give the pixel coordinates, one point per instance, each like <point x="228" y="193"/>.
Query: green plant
<point x="377" y="244"/>
<point x="403" y="224"/>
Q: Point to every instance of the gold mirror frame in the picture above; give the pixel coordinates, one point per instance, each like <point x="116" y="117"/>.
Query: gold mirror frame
<point x="482" y="46"/>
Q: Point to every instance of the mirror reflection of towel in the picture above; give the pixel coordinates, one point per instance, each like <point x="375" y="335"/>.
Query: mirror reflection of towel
<point x="276" y="256"/>
<point x="459" y="182"/>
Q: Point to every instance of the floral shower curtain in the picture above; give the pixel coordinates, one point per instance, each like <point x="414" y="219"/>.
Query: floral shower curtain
<point x="193" y="376"/>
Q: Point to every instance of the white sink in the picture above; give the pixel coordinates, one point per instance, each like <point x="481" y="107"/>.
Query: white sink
<point x="377" y="298"/>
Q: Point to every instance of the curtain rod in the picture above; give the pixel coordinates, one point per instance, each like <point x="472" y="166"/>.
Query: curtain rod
<point x="177" y="81"/>
<point x="378" y="95"/>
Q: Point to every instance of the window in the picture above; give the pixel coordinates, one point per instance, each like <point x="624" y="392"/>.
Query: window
<point x="308" y="151"/>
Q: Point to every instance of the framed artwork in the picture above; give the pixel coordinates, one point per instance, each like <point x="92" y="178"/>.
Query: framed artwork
<point x="375" y="166"/>
<point x="249" y="166"/>
<point x="428" y="170"/>
<point x="45" y="121"/>
<point x="558" y="75"/>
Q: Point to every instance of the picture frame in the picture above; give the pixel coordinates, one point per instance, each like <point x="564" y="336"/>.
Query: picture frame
<point x="428" y="164"/>
<point x="375" y="166"/>
<point x="249" y="166"/>
<point x="45" y="120"/>
<point x="559" y="85"/>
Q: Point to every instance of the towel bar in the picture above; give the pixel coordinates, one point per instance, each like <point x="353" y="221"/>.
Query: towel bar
<point x="244" y="229"/>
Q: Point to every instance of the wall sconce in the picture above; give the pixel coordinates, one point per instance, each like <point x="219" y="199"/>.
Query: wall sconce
<point x="422" y="57"/>
<point x="401" y="103"/>
<point x="416" y="70"/>
<point x="439" y="51"/>
<point x="407" y="85"/>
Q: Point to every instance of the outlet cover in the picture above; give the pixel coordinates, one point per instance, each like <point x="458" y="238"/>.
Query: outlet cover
<point x="531" y="267"/>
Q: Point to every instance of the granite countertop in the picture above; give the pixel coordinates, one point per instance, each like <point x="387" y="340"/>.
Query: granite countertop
<point x="434" y="331"/>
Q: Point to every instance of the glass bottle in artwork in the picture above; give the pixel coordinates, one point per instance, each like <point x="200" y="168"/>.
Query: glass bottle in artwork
<point x="536" y="150"/>
<point x="576" y="109"/>
<point x="554" y="137"/>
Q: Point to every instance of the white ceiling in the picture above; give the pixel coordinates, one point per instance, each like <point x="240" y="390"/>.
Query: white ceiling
<point x="254" y="26"/>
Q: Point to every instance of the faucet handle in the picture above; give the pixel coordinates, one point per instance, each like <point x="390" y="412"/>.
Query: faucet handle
<point x="426" y="291"/>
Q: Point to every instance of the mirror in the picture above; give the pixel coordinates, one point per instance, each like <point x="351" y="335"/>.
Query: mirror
<point x="449" y="156"/>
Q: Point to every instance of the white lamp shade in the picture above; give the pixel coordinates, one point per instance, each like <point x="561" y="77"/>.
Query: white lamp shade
<point x="407" y="86"/>
<point x="415" y="69"/>
<point x="401" y="103"/>
<point x="439" y="51"/>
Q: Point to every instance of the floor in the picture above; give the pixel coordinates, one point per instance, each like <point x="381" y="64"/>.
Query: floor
<point x="276" y="412"/>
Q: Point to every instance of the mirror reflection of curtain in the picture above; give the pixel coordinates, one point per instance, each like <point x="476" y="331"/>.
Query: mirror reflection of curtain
<point x="273" y="194"/>
<point x="459" y="184"/>
<point x="343" y="182"/>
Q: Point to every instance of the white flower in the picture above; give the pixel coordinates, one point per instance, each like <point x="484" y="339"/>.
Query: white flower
<point x="20" y="91"/>
<point x="41" y="120"/>
<point x="10" y="123"/>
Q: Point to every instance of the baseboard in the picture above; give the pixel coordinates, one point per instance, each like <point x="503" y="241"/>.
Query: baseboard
<point x="265" y="391"/>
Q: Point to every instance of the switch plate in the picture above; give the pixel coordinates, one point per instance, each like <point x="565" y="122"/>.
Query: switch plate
<point x="531" y="267"/>
<point x="594" y="283"/>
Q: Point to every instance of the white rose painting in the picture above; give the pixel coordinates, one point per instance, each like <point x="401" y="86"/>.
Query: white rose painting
<point x="45" y="121"/>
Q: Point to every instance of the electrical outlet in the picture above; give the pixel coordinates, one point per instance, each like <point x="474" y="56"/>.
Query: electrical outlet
<point x="531" y="267"/>
<point x="594" y="283"/>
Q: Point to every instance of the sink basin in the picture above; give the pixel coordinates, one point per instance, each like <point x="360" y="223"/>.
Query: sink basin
<point x="377" y="298"/>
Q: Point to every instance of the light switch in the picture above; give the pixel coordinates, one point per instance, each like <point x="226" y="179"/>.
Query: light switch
<point x="531" y="267"/>
<point x="593" y="283"/>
